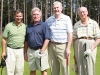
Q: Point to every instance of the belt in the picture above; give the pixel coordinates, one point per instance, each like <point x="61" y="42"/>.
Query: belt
<point x="89" y="38"/>
<point x="15" y="48"/>
<point x="57" y="43"/>
<point x="35" y="48"/>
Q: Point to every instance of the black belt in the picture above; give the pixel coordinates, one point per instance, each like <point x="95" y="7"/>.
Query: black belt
<point x="36" y="48"/>
<point x="15" y="48"/>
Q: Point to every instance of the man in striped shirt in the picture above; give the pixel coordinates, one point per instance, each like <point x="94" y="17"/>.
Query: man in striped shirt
<point x="60" y="39"/>
<point x="85" y="32"/>
<point x="13" y="37"/>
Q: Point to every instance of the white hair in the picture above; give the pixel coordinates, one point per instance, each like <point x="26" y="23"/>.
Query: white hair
<point x="57" y="2"/>
<point x="85" y="8"/>
<point x="34" y="9"/>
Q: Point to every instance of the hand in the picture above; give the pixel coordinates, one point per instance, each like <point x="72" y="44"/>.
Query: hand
<point x="67" y="52"/>
<point x="40" y="54"/>
<point x="87" y="52"/>
<point x="3" y="55"/>
<point x="26" y="57"/>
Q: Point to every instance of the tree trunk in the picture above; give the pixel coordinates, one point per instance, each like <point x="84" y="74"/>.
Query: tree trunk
<point x="89" y="7"/>
<point x="71" y="11"/>
<point x="81" y="3"/>
<point x="8" y="11"/>
<point x="33" y="3"/>
<point x="51" y="3"/>
<point x="24" y="10"/>
<point x="46" y="9"/>
<point x="63" y="6"/>
<point x="76" y="10"/>
<point x="1" y="17"/>
<point x="26" y="14"/>
<point x="14" y="4"/>
<point x="41" y="9"/>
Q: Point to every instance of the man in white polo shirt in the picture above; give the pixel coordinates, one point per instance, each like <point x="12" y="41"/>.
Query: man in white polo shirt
<point x="60" y="39"/>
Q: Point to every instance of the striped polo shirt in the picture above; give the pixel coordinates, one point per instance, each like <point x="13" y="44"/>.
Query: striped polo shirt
<point x="15" y="35"/>
<point x="59" y="28"/>
<point x="90" y="30"/>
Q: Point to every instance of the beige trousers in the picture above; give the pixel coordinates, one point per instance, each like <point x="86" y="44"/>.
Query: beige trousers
<point x="85" y="66"/>
<point x="14" y="61"/>
<point x="57" y="56"/>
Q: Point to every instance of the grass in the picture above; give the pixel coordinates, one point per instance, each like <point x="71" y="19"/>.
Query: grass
<point x="26" y="70"/>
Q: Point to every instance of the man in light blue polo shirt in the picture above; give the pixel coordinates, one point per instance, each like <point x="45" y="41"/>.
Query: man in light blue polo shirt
<point x="60" y="40"/>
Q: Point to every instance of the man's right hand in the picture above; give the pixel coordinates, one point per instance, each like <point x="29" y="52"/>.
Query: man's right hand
<point x="26" y="57"/>
<point x="3" y="55"/>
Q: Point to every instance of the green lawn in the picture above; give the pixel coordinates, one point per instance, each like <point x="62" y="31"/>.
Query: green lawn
<point x="26" y="70"/>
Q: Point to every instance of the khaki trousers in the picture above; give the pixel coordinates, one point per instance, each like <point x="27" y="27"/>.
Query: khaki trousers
<point x="85" y="66"/>
<point x="14" y="61"/>
<point x="57" y="56"/>
<point x="34" y="61"/>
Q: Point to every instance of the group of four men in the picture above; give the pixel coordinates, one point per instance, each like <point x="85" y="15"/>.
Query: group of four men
<point x="31" y="42"/>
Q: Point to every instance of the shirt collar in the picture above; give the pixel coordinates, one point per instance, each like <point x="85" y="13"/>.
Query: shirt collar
<point x="39" y="23"/>
<point x="89" y="22"/>
<point x="15" y="24"/>
<point x="60" y="16"/>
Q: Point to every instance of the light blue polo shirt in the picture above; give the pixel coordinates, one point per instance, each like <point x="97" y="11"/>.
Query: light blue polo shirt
<point x="59" y="28"/>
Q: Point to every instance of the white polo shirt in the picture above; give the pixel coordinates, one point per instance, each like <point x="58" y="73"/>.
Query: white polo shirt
<point x="59" y="28"/>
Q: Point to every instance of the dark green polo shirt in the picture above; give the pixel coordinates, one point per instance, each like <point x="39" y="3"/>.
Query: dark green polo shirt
<point x="15" y="35"/>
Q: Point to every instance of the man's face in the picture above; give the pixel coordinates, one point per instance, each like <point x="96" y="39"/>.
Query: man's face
<point x="36" y="16"/>
<point x="18" y="17"/>
<point x="57" y="9"/>
<point x="83" y="13"/>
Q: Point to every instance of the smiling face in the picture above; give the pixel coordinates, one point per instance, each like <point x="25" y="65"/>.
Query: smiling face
<point x="57" y="8"/>
<point x="36" y="15"/>
<point x="18" y="17"/>
<point x="82" y="12"/>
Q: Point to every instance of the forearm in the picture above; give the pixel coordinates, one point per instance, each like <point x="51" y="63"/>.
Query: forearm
<point x="74" y="45"/>
<point x="74" y="50"/>
<point x="25" y="47"/>
<point x="95" y="44"/>
<point x="46" y="42"/>
<point x="69" y="40"/>
<point x="3" y="43"/>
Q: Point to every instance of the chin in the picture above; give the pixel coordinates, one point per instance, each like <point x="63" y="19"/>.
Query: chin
<point x="57" y="13"/>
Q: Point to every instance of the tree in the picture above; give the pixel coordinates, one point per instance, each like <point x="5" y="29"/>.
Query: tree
<point x="8" y="11"/>
<point x="1" y="17"/>
<point x="69" y="8"/>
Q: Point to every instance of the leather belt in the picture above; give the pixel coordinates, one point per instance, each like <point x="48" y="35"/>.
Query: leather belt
<point x="36" y="48"/>
<point x="89" y="38"/>
<point x="57" y="43"/>
<point x="15" y="48"/>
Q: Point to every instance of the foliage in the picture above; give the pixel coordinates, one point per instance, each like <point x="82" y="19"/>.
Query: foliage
<point x="92" y="5"/>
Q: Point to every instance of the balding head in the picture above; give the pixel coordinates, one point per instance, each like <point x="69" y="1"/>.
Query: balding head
<point x="82" y="9"/>
<point x="83" y="13"/>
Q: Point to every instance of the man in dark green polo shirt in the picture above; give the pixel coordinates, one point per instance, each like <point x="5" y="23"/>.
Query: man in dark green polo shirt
<point x="12" y="45"/>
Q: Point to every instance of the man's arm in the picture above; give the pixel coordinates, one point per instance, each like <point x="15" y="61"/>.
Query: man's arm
<point x="95" y="44"/>
<point x="25" y="50"/>
<point x="69" y="43"/>
<point x="74" y="50"/>
<point x="3" y="43"/>
<point x="46" y="42"/>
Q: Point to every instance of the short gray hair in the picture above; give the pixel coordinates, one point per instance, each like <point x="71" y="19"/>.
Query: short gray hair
<point x="57" y="2"/>
<point x="82" y="7"/>
<point x="34" y="9"/>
